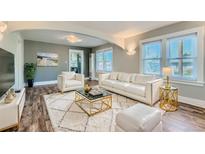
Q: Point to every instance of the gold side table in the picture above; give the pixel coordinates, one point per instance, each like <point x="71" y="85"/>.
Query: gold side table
<point x="169" y="99"/>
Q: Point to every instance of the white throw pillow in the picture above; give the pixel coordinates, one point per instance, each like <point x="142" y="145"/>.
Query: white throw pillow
<point x="69" y="75"/>
<point x="125" y="77"/>
<point x="142" y="79"/>
<point x="113" y="76"/>
<point x="133" y="78"/>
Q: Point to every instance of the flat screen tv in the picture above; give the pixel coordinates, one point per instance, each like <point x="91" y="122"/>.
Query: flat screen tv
<point x="7" y="74"/>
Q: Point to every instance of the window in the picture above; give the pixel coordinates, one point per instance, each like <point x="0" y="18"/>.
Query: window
<point x="182" y="56"/>
<point x="152" y="58"/>
<point x="104" y="60"/>
<point x="183" y="51"/>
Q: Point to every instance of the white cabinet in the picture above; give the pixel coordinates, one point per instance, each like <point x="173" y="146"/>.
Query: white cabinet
<point x="10" y="114"/>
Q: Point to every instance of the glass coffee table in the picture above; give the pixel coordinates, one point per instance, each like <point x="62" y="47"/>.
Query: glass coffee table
<point x="92" y="105"/>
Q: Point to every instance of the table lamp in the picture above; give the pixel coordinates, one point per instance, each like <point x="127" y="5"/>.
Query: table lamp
<point x="167" y="71"/>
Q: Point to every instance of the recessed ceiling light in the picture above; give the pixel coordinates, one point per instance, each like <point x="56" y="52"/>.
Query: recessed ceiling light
<point x="73" y="39"/>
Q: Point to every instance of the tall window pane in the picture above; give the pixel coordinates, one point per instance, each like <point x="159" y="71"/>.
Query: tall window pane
<point x="182" y="55"/>
<point x="99" y="61"/>
<point x="104" y="61"/>
<point x="189" y="46"/>
<point x="152" y="58"/>
<point x="174" y="48"/>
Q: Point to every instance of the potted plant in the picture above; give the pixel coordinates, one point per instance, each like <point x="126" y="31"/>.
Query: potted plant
<point x="30" y="70"/>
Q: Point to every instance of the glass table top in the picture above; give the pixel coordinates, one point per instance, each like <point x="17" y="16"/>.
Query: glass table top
<point x="90" y="97"/>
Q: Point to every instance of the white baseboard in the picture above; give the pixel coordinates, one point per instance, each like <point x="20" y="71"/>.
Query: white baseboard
<point x="192" y="101"/>
<point x="45" y="83"/>
<point x="41" y="83"/>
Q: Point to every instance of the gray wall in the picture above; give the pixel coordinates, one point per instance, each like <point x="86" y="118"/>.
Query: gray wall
<point x="133" y="42"/>
<point x="121" y="61"/>
<point x="50" y="73"/>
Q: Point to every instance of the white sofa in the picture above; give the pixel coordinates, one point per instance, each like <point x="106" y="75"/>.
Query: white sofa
<point x="144" y="88"/>
<point x="68" y="81"/>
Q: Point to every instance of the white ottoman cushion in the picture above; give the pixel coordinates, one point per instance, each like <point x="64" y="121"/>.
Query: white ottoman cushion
<point x="139" y="118"/>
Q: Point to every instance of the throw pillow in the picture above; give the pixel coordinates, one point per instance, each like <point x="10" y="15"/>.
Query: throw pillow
<point x="113" y="76"/>
<point x="142" y="79"/>
<point x="69" y="75"/>
<point x="125" y="77"/>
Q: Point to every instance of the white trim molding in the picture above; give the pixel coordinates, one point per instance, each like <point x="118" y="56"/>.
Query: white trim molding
<point x="192" y="101"/>
<point x="41" y="83"/>
<point x="191" y="83"/>
<point x="45" y="83"/>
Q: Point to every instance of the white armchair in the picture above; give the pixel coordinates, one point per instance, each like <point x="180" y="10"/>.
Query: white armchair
<point x="68" y="81"/>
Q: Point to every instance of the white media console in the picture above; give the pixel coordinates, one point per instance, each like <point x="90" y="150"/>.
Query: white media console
<point x="10" y="114"/>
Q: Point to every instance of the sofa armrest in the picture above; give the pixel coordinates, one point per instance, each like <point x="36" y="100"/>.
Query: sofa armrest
<point x="61" y="82"/>
<point x="152" y="90"/>
<point x="103" y="77"/>
<point x="80" y="77"/>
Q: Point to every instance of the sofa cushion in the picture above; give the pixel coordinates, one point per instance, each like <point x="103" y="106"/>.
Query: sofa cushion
<point x="69" y="75"/>
<point x="113" y="76"/>
<point x="120" y="85"/>
<point x="72" y="83"/>
<point x="133" y="78"/>
<point x="124" y="77"/>
<point x="139" y="117"/>
<point x="142" y="79"/>
<point x="136" y="89"/>
<point x="108" y="82"/>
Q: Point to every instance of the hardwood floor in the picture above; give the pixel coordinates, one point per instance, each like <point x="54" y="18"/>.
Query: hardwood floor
<point x="35" y="116"/>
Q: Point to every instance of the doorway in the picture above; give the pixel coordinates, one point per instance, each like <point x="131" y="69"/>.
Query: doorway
<point x="76" y="60"/>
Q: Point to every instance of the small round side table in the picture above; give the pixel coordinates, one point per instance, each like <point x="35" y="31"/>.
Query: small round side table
<point x="169" y="99"/>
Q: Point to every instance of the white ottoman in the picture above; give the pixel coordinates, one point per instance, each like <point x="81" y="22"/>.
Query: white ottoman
<point x="139" y="118"/>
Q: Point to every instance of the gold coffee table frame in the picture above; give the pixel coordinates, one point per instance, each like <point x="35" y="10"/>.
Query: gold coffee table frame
<point x="169" y="99"/>
<point x="89" y="105"/>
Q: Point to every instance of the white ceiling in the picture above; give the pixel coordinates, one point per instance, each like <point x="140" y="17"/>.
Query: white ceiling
<point x="123" y="29"/>
<point x="59" y="37"/>
<point x="115" y="29"/>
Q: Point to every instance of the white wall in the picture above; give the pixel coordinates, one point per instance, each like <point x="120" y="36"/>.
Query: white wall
<point x="13" y="43"/>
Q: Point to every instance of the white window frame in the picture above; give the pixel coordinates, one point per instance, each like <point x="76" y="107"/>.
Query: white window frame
<point x="160" y="59"/>
<point x="180" y="58"/>
<point x="103" y="50"/>
<point x="200" y="53"/>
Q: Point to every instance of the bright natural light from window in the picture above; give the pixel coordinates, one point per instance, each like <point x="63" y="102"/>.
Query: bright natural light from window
<point x="183" y="51"/>
<point x="182" y="56"/>
<point x="104" y="60"/>
<point x="152" y="58"/>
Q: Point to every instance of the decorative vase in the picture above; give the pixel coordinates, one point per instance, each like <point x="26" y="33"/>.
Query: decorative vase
<point x="9" y="98"/>
<point x="87" y="88"/>
<point x="30" y="83"/>
<point x="12" y="91"/>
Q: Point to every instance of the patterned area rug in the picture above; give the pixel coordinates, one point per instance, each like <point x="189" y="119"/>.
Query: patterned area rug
<point x="65" y="115"/>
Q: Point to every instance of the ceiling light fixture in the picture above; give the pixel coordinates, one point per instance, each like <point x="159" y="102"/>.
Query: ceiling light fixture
<point x="73" y="39"/>
<point x="131" y="52"/>
<point x="3" y="26"/>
